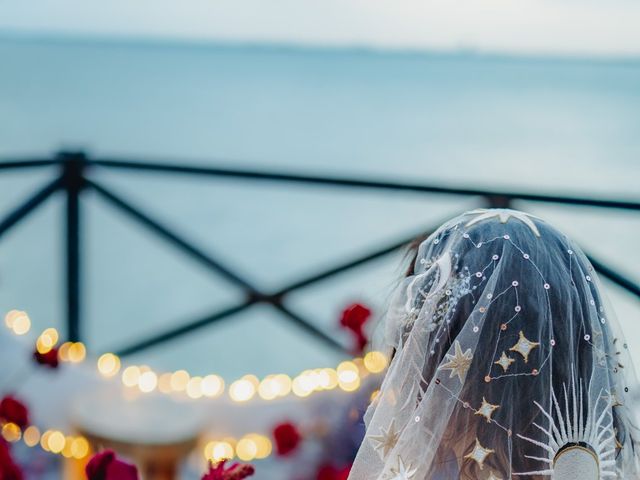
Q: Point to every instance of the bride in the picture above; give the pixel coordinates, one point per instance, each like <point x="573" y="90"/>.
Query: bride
<point x="507" y="362"/>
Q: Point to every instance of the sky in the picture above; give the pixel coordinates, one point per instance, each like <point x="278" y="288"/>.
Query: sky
<point x="556" y="27"/>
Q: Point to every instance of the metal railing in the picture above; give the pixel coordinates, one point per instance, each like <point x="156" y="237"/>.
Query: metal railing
<point x="78" y="174"/>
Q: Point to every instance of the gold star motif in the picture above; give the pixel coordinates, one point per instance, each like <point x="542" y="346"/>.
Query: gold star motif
<point x="479" y="454"/>
<point x="385" y="442"/>
<point x="613" y="399"/>
<point x="459" y="362"/>
<point x="487" y="409"/>
<point x="504" y="214"/>
<point x="504" y="361"/>
<point x="524" y="347"/>
<point x="402" y="472"/>
<point x="492" y="476"/>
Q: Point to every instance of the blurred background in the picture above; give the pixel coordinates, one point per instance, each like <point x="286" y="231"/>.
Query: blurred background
<point x="507" y="96"/>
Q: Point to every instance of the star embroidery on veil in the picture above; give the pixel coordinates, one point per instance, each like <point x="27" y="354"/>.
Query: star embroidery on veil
<point x="504" y="361"/>
<point x="402" y="472"/>
<point x="459" y="362"/>
<point x="479" y="454"/>
<point x="504" y="214"/>
<point x="612" y="398"/>
<point x="384" y="443"/>
<point x="524" y="346"/>
<point x="492" y="476"/>
<point x="487" y="409"/>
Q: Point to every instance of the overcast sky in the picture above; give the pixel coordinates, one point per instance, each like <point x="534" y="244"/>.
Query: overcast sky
<point x="587" y="27"/>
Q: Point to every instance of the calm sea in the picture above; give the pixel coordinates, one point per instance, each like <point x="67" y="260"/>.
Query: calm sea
<point x="541" y="125"/>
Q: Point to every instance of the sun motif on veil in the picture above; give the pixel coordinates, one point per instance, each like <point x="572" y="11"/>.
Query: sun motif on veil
<point x="579" y="440"/>
<point x="504" y="215"/>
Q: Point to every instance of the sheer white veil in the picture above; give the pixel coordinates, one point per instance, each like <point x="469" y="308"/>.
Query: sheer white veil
<point x="507" y="362"/>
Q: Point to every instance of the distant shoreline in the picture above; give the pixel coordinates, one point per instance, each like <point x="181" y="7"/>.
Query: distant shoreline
<point x="78" y="39"/>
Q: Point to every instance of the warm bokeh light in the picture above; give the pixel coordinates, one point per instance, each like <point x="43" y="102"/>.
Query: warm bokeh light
<point x="66" y="451"/>
<point x="56" y="441"/>
<point x="246" y="449"/>
<point x="63" y="351"/>
<point x="375" y="362"/>
<point x="108" y="365"/>
<point x="31" y="436"/>
<point x="77" y="352"/>
<point x="263" y="444"/>
<point x="47" y="340"/>
<point x="212" y="385"/>
<point x="44" y="440"/>
<point x="179" y="380"/>
<point x="217" y="451"/>
<point x="302" y="386"/>
<point x="194" y="389"/>
<point x="242" y="390"/>
<point x="11" y="432"/>
<point x="348" y="376"/>
<point x="283" y="384"/>
<point x="131" y="376"/>
<point x="79" y="448"/>
<point x="148" y="382"/>
<point x="18" y="322"/>
<point x="268" y="389"/>
<point x="164" y="383"/>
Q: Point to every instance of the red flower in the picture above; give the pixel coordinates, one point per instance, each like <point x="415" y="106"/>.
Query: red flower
<point x="237" y="471"/>
<point x="106" y="466"/>
<point x="14" y="411"/>
<point x="8" y="469"/>
<point x="354" y="318"/>
<point x="49" y="359"/>
<point x="329" y="472"/>
<point x="287" y="438"/>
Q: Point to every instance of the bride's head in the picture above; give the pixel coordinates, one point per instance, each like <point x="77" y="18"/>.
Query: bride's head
<point x="506" y="360"/>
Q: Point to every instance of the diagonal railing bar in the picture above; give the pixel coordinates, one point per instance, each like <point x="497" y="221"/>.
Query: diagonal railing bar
<point x="183" y="329"/>
<point x="308" y="327"/>
<point x="351" y="264"/>
<point x="254" y="293"/>
<point x="29" y="205"/>
<point x="614" y="276"/>
<point x="173" y="238"/>
<point x="27" y="163"/>
<point x="361" y="183"/>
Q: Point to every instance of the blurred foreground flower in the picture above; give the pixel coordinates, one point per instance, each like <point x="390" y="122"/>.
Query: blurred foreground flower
<point x="354" y="318"/>
<point x="106" y="466"/>
<point x="48" y="359"/>
<point x="8" y="469"/>
<point x="237" y="471"/>
<point x="14" y="411"/>
<point x="329" y="472"/>
<point x="287" y="438"/>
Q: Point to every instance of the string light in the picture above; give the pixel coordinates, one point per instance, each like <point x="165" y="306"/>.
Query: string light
<point x="249" y="447"/>
<point x="108" y="364"/>
<point x="18" y="322"/>
<point x="11" y="432"/>
<point x="348" y="375"/>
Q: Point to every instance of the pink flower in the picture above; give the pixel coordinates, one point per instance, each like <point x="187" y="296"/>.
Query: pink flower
<point x="354" y="318"/>
<point x="237" y="471"/>
<point x="287" y="438"/>
<point x="14" y="411"/>
<point x="8" y="469"/>
<point x="106" y="466"/>
<point x="49" y="359"/>
<point x="329" y="472"/>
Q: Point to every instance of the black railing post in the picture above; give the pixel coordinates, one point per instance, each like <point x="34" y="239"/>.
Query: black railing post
<point x="73" y="164"/>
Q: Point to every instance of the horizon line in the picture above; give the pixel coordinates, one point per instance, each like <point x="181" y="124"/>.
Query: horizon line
<point x="146" y="40"/>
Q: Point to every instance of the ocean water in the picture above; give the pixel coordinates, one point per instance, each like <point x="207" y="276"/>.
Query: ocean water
<point x="542" y="125"/>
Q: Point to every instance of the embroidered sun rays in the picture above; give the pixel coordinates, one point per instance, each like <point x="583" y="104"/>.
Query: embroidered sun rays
<point x="504" y="214"/>
<point x="580" y="438"/>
